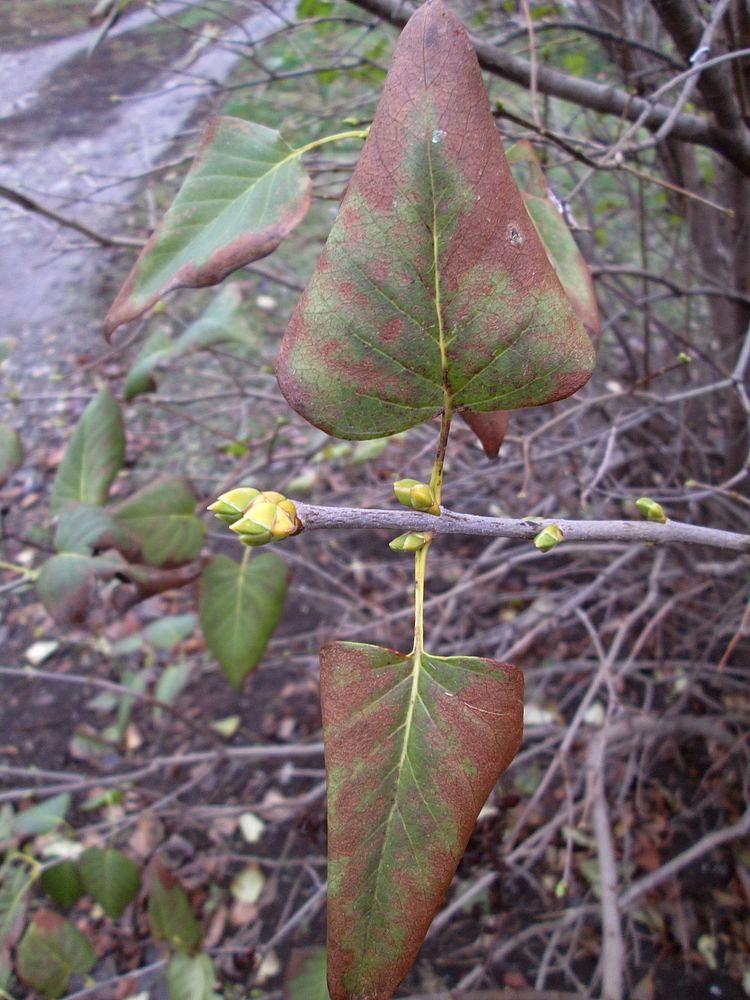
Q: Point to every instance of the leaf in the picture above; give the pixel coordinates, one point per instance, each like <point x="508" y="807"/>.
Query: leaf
<point x="51" y="950"/>
<point x="413" y="747"/>
<point x="306" y="976"/>
<point x="63" y="883"/>
<point x="43" y="817"/>
<point x="94" y="454"/>
<point x="11" y="452"/>
<point x="245" y="192"/>
<point x="171" y="683"/>
<point x="111" y="878"/>
<point x="170" y="914"/>
<point x="490" y="428"/>
<point x="191" y="977"/>
<point x="222" y="321"/>
<point x="433" y="290"/>
<point x="169" y="630"/>
<point x="240" y="606"/>
<point x="16" y="879"/>
<point x="66" y="584"/>
<point x="158" y="347"/>
<point x="562" y="250"/>
<point x="162" y="517"/>
<point x="81" y="528"/>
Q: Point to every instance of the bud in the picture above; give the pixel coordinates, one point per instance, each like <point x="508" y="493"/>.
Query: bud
<point x="231" y="506"/>
<point x="412" y="541"/>
<point x="268" y="517"/>
<point x="651" y="510"/>
<point x="418" y="496"/>
<point x="548" y="538"/>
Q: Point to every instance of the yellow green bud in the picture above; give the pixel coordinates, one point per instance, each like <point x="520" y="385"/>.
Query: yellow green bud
<point x="230" y="506"/>
<point x="418" y="496"/>
<point x="548" y="538"/>
<point x="267" y="518"/>
<point x="651" y="510"/>
<point x="412" y="541"/>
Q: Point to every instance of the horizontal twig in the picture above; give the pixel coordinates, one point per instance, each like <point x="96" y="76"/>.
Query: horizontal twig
<point x="452" y="522"/>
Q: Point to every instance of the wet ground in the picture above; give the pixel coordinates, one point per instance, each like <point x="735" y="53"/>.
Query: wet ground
<point x="82" y="132"/>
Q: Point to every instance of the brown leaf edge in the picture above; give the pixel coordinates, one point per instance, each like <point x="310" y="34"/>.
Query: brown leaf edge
<point x="357" y="723"/>
<point x="222" y="263"/>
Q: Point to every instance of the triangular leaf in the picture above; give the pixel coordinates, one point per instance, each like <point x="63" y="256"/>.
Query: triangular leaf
<point x="94" y="454"/>
<point x="170" y="914"/>
<point x="414" y="745"/>
<point x="162" y="517"/>
<point x="240" y="606"/>
<point x="434" y="289"/>
<point x="245" y="191"/>
<point x="111" y="878"/>
<point x="51" y="950"/>
<point x="11" y="452"/>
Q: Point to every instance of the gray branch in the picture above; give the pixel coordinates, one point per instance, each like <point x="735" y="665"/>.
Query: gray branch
<point x="452" y="522"/>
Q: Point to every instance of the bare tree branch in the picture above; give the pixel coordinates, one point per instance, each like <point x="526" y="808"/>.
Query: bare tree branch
<point x="732" y="143"/>
<point x="453" y="522"/>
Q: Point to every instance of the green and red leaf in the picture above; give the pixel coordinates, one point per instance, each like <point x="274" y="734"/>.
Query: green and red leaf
<point x="413" y="746"/>
<point x="434" y="288"/>
<point x="245" y="192"/>
<point x="51" y="951"/>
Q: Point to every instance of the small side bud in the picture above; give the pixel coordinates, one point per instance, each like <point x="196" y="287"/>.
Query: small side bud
<point x="418" y="496"/>
<point x="412" y="541"/>
<point x="651" y="510"/>
<point x="231" y="506"/>
<point x="548" y="538"/>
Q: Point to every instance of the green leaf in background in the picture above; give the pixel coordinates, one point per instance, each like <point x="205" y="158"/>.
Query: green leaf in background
<point x="245" y="191"/>
<point x="63" y="883"/>
<point x="240" y="606"/>
<point x="157" y="348"/>
<point x="162" y="517"/>
<point x="111" y="878"/>
<point x="66" y="584"/>
<point x="223" y="321"/>
<point x="305" y="977"/>
<point x="43" y="817"/>
<point x="16" y="879"/>
<point x="191" y="978"/>
<point x="434" y="290"/>
<point x="94" y="455"/>
<point x="11" y="452"/>
<point x="168" y="631"/>
<point x="81" y="528"/>
<point x="414" y="745"/>
<point x="51" y="950"/>
<point x="170" y="914"/>
<point x="172" y="681"/>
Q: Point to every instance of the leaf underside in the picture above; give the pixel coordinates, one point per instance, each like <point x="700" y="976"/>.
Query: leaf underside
<point x="243" y="194"/>
<point x="413" y="747"/>
<point x="434" y="288"/>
